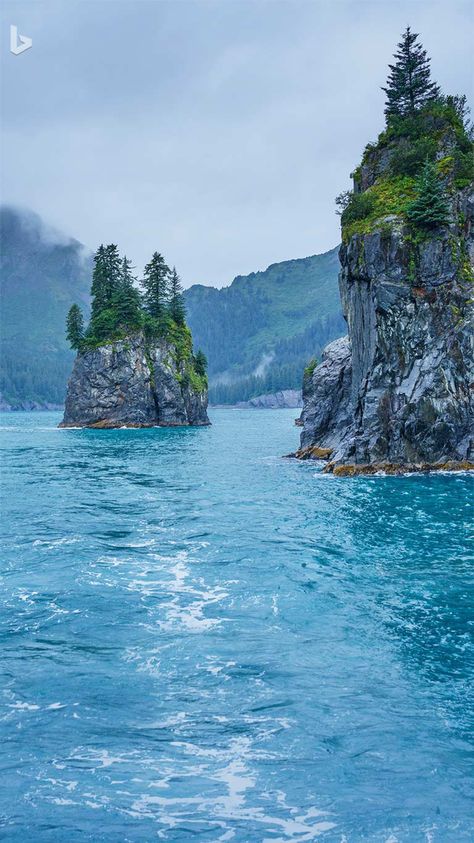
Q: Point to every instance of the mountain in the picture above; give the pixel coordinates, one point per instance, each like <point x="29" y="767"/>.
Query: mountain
<point x="261" y="331"/>
<point x="41" y="274"/>
<point x="258" y="334"/>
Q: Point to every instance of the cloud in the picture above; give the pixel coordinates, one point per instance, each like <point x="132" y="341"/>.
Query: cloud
<point x="218" y="133"/>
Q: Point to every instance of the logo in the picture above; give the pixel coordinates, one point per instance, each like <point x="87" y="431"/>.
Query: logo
<point x="19" y="43"/>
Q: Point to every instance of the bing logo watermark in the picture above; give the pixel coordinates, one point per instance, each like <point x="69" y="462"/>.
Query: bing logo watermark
<point x="19" y="43"/>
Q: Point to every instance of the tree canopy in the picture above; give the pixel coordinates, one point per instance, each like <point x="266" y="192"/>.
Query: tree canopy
<point x="75" y="326"/>
<point x="119" y="306"/>
<point x="430" y="209"/>
<point x="409" y="85"/>
<point x="177" y="309"/>
<point x="156" y="280"/>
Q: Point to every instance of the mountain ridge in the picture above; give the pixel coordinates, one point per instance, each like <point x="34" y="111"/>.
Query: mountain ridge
<point x="258" y="332"/>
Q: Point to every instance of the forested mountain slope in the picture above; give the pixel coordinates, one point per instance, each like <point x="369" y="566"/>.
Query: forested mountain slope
<point x="41" y="274"/>
<point x="261" y="331"/>
<point x="258" y="334"/>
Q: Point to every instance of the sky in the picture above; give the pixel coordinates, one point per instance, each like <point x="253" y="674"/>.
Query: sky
<point x="217" y="132"/>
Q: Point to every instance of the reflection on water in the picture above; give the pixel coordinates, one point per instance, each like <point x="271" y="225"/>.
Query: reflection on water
<point x="202" y="640"/>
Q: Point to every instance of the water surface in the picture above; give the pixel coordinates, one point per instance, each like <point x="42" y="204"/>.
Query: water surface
<point x="202" y="641"/>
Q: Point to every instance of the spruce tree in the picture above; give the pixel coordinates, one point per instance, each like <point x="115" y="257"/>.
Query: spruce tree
<point x="99" y="286"/>
<point x="177" y="309"/>
<point x="409" y="84"/>
<point x="156" y="286"/>
<point x="106" y="277"/>
<point x="200" y="363"/>
<point x="126" y="298"/>
<point x="430" y="209"/>
<point x="75" y="327"/>
<point x="113" y="270"/>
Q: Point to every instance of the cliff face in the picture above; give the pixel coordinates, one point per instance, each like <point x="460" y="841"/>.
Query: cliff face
<point x="397" y="391"/>
<point x="132" y="383"/>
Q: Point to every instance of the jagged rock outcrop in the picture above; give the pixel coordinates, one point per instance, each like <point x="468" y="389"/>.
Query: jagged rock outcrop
<point x="133" y="383"/>
<point x="396" y="393"/>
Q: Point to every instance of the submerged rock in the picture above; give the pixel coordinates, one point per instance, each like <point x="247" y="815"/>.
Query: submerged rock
<point x="133" y="383"/>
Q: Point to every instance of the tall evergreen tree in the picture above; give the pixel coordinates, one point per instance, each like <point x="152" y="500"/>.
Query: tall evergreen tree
<point x="126" y="298"/>
<point x="99" y="281"/>
<point x="114" y="269"/>
<point x="75" y="327"/>
<point x="106" y="278"/>
<point x="156" y="286"/>
<point x="430" y="209"/>
<point x="409" y="84"/>
<point x="177" y="309"/>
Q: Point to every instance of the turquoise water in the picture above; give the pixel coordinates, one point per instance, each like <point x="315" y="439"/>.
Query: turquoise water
<point x="202" y="641"/>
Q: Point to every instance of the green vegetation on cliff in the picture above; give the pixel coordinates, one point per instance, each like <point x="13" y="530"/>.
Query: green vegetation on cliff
<point x="424" y="154"/>
<point x="119" y="309"/>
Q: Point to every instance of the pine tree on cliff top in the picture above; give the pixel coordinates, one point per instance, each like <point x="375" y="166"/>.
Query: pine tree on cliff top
<point x="177" y="309"/>
<point x="105" y="277"/>
<point x="126" y="299"/>
<point x="75" y="327"/>
<point x="430" y="209"/>
<point x="409" y="84"/>
<point x="156" y="286"/>
<point x="99" y="280"/>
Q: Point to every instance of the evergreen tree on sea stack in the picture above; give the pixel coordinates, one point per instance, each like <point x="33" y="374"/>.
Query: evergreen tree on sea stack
<point x="99" y="286"/>
<point x="126" y="298"/>
<point x="75" y="327"/>
<point x="106" y="279"/>
<point x="177" y="309"/>
<point x="430" y="209"/>
<point x="409" y="84"/>
<point x="156" y="286"/>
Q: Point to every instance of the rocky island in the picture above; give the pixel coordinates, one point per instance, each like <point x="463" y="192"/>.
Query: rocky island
<point x="395" y="394"/>
<point x="135" y="365"/>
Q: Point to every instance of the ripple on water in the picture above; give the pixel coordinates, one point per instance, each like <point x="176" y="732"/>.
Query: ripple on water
<point x="199" y="639"/>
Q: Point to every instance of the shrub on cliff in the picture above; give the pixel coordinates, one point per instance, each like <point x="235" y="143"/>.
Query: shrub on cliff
<point x="357" y="207"/>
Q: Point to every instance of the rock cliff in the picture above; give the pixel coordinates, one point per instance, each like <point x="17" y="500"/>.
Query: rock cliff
<point x="396" y="393"/>
<point x="134" y="383"/>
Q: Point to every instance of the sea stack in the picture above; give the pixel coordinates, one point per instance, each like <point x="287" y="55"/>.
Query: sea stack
<point x="135" y="365"/>
<point x="134" y="383"/>
<point x="395" y="394"/>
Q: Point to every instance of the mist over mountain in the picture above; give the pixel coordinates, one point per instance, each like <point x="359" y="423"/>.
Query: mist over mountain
<point x="42" y="272"/>
<point x="261" y="331"/>
<point x="258" y="334"/>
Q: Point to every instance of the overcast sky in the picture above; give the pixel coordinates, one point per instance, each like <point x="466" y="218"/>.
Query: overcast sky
<point x="215" y="131"/>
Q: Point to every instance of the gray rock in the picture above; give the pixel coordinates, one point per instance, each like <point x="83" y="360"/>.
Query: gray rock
<point x="399" y="388"/>
<point x="325" y="397"/>
<point x="285" y="398"/>
<point x="131" y="383"/>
